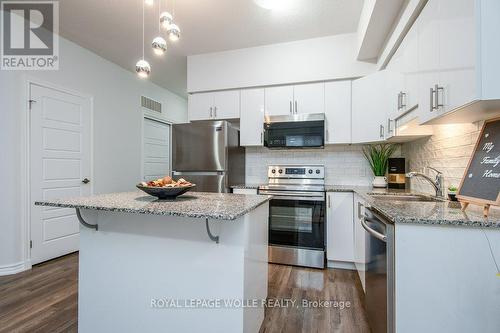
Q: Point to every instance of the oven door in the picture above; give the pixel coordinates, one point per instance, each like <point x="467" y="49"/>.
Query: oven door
<point x="298" y="221"/>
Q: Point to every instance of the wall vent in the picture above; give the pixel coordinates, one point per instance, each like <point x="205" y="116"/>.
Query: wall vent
<point x="150" y="104"/>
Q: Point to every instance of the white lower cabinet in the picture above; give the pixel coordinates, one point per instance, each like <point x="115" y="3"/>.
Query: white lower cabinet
<point x="359" y="238"/>
<point x="339" y="230"/>
<point x="245" y="191"/>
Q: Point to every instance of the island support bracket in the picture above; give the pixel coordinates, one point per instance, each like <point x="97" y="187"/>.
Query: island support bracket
<point x="82" y="221"/>
<point x="210" y="235"/>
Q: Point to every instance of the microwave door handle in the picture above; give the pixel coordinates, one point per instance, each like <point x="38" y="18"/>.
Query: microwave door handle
<point x="372" y="232"/>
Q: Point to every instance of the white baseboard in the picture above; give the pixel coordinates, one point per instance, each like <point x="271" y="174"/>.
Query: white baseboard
<point x="14" y="268"/>
<point x="341" y="265"/>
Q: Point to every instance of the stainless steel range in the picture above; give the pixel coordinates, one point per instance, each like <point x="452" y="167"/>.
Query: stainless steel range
<point x="296" y="214"/>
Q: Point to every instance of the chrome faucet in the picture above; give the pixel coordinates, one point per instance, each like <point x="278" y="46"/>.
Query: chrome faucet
<point x="437" y="182"/>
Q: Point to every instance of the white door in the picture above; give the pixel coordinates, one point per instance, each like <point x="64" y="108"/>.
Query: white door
<point x="338" y="112"/>
<point x="252" y="117"/>
<point x="156" y="150"/>
<point x="309" y="98"/>
<point x="59" y="167"/>
<point x="200" y="106"/>
<point x="227" y="104"/>
<point x="279" y="101"/>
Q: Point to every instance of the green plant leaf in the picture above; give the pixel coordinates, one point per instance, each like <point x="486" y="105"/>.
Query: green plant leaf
<point x="378" y="157"/>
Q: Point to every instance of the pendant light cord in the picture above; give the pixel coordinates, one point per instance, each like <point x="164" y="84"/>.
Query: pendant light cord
<point x="142" y="29"/>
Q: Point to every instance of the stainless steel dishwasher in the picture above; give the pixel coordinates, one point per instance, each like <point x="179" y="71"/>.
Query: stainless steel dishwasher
<point x="379" y="288"/>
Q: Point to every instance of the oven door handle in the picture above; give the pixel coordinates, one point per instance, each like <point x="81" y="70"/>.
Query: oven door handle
<point x="372" y="232"/>
<point x="289" y="195"/>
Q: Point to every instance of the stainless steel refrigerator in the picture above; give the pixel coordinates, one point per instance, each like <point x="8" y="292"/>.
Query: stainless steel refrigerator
<point x="208" y="153"/>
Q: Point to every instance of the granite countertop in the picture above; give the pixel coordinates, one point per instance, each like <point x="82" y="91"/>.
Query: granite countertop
<point x="220" y="206"/>
<point x="418" y="212"/>
<point x="246" y="186"/>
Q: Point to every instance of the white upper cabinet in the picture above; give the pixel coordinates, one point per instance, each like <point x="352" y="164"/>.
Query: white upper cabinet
<point x="338" y="112"/>
<point x="298" y="99"/>
<point x="450" y="44"/>
<point x="214" y="105"/>
<point x="226" y="104"/>
<point x="279" y="101"/>
<point x="252" y="117"/>
<point x="200" y="106"/>
<point x="309" y="98"/>
<point x="371" y="106"/>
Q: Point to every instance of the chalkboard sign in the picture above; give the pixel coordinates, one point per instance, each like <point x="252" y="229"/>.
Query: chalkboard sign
<point x="481" y="181"/>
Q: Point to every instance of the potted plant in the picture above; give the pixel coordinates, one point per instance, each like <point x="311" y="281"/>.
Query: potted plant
<point x="378" y="157"/>
<point x="452" y="192"/>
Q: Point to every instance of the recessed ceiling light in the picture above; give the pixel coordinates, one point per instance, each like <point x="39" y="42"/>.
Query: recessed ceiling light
<point x="275" y="4"/>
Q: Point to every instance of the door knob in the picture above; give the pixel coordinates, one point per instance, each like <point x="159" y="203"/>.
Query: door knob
<point x="85" y="181"/>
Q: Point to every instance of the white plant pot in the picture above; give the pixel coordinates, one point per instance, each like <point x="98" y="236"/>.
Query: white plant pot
<point x="379" y="181"/>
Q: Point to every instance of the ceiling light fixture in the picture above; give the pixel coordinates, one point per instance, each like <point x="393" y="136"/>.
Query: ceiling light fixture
<point x="142" y="67"/>
<point x="276" y="5"/>
<point x="159" y="44"/>
<point x="165" y="19"/>
<point x="149" y="2"/>
<point x="173" y="30"/>
<point x="174" y="33"/>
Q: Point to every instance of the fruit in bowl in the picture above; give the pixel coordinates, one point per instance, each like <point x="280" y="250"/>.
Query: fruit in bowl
<point x="166" y="187"/>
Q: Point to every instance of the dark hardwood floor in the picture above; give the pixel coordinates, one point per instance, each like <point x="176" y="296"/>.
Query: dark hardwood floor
<point x="298" y="284"/>
<point x="45" y="299"/>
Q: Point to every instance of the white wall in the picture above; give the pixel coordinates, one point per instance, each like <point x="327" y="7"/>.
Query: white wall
<point x="317" y="59"/>
<point x="117" y="129"/>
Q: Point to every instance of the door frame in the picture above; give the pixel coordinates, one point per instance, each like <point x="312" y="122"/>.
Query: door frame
<point x="147" y="115"/>
<point x="26" y="161"/>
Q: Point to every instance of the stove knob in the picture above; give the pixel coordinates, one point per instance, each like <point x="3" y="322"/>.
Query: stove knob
<point x="273" y="170"/>
<point x="318" y="171"/>
<point x="280" y="171"/>
<point x="310" y="171"/>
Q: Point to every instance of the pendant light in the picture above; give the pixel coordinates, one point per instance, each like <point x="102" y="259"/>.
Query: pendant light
<point x="165" y="19"/>
<point x="159" y="44"/>
<point x="173" y="31"/>
<point x="142" y="67"/>
<point x="149" y="2"/>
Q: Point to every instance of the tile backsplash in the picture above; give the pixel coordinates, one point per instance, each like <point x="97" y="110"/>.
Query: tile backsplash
<point x="448" y="150"/>
<point x="344" y="164"/>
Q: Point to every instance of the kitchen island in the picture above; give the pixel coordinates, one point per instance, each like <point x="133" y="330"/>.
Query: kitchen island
<point x="195" y="264"/>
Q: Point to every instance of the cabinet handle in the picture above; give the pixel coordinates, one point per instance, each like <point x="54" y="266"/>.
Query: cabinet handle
<point x="381" y="131"/>
<point x="327" y="136"/>
<point x="210" y="112"/>
<point x="291" y="112"/>
<point x="403" y="100"/>
<point x="295" y="107"/>
<point x="437" y="89"/>
<point x="399" y="101"/>
<point x="329" y="201"/>
<point x="431" y="94"/>
<point x="389" y="130"/>
<point x="359" y="209"/>
<point x="215" y="112"/>
<point x="261" y="137"/>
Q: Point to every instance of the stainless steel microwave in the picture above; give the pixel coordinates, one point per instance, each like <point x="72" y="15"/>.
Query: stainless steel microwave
<point x="295" y="131"/>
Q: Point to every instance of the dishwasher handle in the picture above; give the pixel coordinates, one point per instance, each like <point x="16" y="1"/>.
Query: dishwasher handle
<point x="372" y="232"/>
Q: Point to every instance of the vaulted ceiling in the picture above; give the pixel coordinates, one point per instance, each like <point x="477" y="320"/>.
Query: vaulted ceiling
<point x="113" y="28"/>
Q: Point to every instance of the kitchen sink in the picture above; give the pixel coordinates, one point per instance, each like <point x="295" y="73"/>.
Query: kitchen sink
<point x="405" y="197"/>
